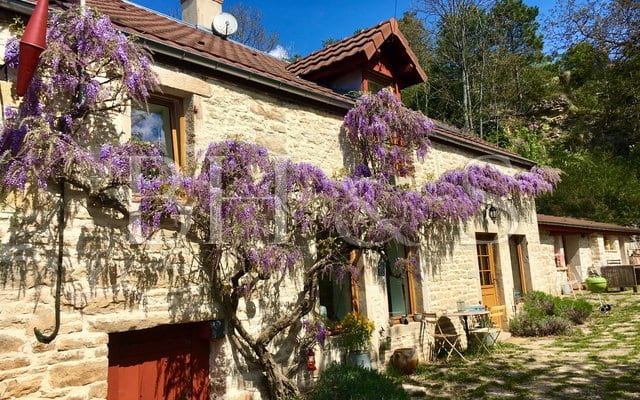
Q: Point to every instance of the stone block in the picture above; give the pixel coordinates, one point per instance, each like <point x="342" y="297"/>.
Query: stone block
<point x="81" y="341"/>
<point x="98" y="390"/>
<point x="78" y="373"/>
<point x="10" y="343"/>
<point x="20" y="386"/>
<point x="13" y="360"/>
<point x="62" y="356"/>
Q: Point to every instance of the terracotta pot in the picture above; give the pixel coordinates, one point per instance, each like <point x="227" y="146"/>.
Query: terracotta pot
<point x="405" y="360"/>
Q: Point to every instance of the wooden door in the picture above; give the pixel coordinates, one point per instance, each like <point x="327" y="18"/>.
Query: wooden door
<point x="519" y="256"/>
<point x="487" y="270"/>
<point x="167" y="362"/>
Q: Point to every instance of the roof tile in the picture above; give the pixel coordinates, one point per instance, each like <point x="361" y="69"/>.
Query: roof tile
<point x="148" y="24"/>
<point x="566" y="222"/>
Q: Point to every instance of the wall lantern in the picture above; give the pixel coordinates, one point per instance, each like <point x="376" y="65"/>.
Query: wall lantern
<point x="217" y="329"/>
<point x="382" y="266"/>
<point x="491" y="212"/>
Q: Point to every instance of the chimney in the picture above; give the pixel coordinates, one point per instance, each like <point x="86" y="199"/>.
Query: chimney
<point x="200" y="12"/>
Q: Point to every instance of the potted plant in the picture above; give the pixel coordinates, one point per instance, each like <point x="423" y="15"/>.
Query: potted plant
<point x="356" y="336"/>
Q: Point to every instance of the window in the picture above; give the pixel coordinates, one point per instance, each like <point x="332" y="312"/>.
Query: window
<point x="338" y="295"/>
<point x="485" y="263"/>
<point x="400" y="292"/>
<point x="608" y="243"/>
<point x="335" y="296"/>
<point x="375" y="82"/>
<point x="375" y="87"/>
<point x="161" y="122"/>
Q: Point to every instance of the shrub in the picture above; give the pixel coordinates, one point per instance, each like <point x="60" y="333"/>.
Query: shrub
<point x="577" y="311"/>
<point x="525" y="324"/>
<point x="545" y="315"/>
<point x="340" y="381"/>
<point x="539" y="304"/>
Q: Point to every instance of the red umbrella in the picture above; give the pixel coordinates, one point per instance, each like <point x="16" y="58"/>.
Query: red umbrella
<point x="32" y="44"/>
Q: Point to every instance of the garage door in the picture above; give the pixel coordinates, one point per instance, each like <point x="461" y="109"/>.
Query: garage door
<point x="168" y="362"/>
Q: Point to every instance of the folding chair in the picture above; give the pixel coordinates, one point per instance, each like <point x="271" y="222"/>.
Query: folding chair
<point x="476" y="335"/>
<point x="443" y="340"/>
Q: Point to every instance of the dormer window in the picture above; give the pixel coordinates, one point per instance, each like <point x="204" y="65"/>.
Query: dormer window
<point x="374" y="59"/>
<point x="375" y="83"/>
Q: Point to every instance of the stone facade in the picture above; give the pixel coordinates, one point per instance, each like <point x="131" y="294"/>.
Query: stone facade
<point x="113" y="285"/>
<point x="584" y="252"/>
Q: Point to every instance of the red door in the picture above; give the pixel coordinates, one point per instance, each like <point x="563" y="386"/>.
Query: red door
<point x="168" y="362"/>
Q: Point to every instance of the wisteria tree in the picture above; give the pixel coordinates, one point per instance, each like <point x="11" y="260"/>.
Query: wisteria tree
<point x="256" y="219"/>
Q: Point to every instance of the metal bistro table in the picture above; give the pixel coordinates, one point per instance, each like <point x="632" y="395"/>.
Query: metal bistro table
<point x="464" y="315"/>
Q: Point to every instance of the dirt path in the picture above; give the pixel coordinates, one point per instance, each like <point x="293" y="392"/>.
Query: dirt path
<point x="600" y="360"/>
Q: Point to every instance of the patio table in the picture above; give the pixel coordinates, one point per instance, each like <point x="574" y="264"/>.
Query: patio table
<point x="464" y="315"/>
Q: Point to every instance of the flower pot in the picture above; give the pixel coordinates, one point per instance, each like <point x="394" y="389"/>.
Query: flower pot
<point x="405" y="360"/>
<point x="359" y="359"/>
<point x="596" y="284"/>
<point x="417" y="317"/>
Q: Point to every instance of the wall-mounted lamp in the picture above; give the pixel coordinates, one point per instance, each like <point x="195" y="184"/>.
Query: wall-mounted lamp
<point x="382" y="266"/>
<point x="491" y="212"/>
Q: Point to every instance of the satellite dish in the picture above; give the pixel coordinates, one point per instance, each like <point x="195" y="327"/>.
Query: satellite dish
<point x="225" y="24"/>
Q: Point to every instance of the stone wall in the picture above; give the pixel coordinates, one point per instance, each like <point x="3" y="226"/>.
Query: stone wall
<point x="113" y="285"/>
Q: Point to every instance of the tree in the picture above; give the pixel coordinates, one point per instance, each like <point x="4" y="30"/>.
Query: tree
<point x="461" y="42"/>
<point x="417" y="96"/>
<point x="595" y="186"/>
<point x="253" y="220"/>
<point x="251" y="31"/>
<point x="518" y="44"/>
<point x="611" y="25"/>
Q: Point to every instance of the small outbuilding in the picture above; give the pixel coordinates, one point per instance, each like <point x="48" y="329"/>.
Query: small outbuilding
<point x="581" y="245"/>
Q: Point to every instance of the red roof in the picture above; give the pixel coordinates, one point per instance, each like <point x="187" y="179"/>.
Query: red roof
<point x="363" y="46"/>
<point x="151" y="25"/>
<point x="186" y="40"/>
<point x="553" y="222"/>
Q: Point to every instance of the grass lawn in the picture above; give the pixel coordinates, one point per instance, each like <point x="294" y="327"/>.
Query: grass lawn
<point x="599" y="360"/>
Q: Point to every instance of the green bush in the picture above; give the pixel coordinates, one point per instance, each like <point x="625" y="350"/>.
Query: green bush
<point x="577" y="311"/>
<point x="525" y="324"/>
<point x="340" y="381"/>
<point x="545" y="315"/>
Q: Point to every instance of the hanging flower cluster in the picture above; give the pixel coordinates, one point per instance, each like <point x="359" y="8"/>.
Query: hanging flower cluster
<point x="386" y="135"/>
<point x="252" y="205"/>
<point x="89" y="68"/>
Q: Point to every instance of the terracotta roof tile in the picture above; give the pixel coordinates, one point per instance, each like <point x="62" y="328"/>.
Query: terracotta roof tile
<point x="593" y="226"/>
<point x="148" y="24"/>
<point x="452" y="132"/>
<point x="366" y="43"/>
<point x="177" y="34"/>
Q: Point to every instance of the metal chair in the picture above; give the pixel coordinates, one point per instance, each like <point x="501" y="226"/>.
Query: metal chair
<point x="447" y="341"/>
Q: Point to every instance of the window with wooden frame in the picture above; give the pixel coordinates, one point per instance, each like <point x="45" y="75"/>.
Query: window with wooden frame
<point x="609" y="243"/>
<point x="485" y="263"/>
<point x="161" y="122"/>
<point x="339" y="295"/>
<point x="375" y="82"/>
<point x="400" y="283"/>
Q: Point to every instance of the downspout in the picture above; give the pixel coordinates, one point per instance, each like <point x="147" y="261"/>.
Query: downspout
<point x="42" y="338"/>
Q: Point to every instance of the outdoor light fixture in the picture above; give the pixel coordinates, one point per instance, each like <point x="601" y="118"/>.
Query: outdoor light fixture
<point x="491" y="212"/>
<point x="382" y="266"/>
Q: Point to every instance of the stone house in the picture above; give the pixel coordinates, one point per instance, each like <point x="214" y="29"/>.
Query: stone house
<point x="123" y="304"/>
<point x="581" y="245"/>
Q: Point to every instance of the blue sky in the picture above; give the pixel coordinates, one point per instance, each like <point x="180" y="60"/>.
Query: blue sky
<point x="303" y="25"/>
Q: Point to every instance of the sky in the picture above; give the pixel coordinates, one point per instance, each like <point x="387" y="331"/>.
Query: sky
<point x="303" y="25"/>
